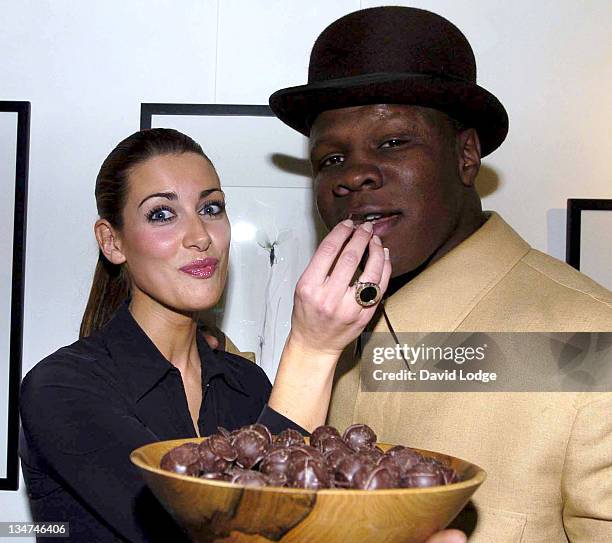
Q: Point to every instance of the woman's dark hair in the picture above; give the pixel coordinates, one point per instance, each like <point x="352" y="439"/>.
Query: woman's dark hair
<point x="111" y="285"/>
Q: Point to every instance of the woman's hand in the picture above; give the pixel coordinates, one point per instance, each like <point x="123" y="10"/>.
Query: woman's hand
<point x="448" y="536"/>
<point x="326" y="318"/>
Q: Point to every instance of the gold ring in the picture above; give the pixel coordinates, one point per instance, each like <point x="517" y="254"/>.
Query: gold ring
<point x="367" y="294"/>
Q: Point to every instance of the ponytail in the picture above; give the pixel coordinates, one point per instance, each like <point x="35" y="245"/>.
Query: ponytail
<point x="109" y="289"/>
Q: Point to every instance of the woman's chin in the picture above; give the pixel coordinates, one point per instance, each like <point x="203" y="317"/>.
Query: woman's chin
<point x="188" y="304"/>
<point x="195" y="304"/>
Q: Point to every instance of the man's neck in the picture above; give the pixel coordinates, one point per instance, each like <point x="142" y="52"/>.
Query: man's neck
<point x="399" y="281"/>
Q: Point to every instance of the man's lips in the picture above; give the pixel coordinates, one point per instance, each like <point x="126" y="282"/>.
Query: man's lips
<point x="383" y="225"/>
<point x="202" y="268"/>
<point x="371" y="214"/>
<point x="382" y="220"/>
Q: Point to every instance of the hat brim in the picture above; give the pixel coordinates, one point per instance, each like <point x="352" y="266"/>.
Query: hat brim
<point x="466" y="102"/>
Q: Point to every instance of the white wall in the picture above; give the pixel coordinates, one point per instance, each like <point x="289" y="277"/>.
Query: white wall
<point x="87" y="66"/>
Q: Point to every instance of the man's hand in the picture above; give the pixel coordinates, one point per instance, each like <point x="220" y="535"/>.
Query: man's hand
<point x="448" y="536"/>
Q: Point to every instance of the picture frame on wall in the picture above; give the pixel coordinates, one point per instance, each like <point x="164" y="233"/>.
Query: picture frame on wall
<point x="589" y="231"/>
<point x="14" y="157"/>
<point x="265" y="175"/>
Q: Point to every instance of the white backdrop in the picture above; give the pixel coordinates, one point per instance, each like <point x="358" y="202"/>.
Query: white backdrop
<point x="596" y="247"/>
<point x="87" y="66"/>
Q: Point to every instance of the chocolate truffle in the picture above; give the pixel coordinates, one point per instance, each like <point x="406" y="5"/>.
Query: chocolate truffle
<point x="308" y="473"/>
<point x="251" y="446"/>
<point x="375" y="479"/>
<point x="404" y="458"/>
<point x="322" y="432"/>
<point x="289" y="437"/>
<point x="210" y="461"/>
<point x="421" y="476"/>
<point x="348" y="466"/>
<point x="276" y="461"/>
<point x="184" y="460"/>
<point x="263" y="430"/>
<point x="358" y="436"/>
<point x="250" y="478"/>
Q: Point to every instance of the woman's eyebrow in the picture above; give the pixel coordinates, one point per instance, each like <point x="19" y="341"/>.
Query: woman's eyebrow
<point x="167" y="195"/>
<point x="173" y="196"/>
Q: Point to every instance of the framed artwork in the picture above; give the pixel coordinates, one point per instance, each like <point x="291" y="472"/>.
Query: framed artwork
<point x="14" y="145"/>
<point x="265" y="176"/>
<point x="589" y="235"/>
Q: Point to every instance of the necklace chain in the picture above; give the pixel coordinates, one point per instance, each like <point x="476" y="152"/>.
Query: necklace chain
<point x="392" y="330"/>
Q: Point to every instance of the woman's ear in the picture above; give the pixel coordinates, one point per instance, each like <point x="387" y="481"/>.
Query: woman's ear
<point x="468" y="144"/>
<point x="109" y="242"/>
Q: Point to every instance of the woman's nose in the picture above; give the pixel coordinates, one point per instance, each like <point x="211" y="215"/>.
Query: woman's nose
<point x="196" y="234"/>
<point x="357" y="177"/>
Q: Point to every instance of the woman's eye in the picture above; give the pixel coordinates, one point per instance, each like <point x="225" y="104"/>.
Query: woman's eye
<point x="160" y="214"/>
<point x="331" y="161"/>
<point x="213" y="208"/>
<point x="393" y="142"/>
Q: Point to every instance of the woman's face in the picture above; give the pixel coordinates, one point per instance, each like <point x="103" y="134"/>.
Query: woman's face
<point x="176" y="235"/>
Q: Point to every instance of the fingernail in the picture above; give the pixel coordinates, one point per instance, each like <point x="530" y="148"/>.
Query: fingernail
<point x="386" y="251"/>
<point x="367" y="226"/>
<point x="348" y="222"/>
<point x="376" y="240"/>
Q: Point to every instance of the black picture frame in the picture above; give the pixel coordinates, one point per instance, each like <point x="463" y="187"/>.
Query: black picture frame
<point x="575" y="207"/>
<point x="11" y="481"/>
<point x="147" y="110"/>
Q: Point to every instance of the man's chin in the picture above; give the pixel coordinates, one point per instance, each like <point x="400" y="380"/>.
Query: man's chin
<point x="403" y="266"/>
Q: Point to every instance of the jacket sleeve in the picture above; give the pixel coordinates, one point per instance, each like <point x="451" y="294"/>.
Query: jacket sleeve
<point x="276" y="422"/>
<point x="80" y="427"/>
<point x="587" y="474"/>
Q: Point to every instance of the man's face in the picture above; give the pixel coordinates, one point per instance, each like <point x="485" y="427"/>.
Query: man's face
<point x="396" y="165"/>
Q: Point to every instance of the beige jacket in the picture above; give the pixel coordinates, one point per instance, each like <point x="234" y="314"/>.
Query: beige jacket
<point x="548" y="455"/>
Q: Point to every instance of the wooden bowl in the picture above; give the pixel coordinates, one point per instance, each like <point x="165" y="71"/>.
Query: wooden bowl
<point x="224" y="512"/>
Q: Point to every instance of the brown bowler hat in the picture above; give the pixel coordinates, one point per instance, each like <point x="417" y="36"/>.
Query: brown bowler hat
<point x="394" y="55"/>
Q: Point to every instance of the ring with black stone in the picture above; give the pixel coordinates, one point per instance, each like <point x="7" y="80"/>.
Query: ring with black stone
<point x="367" y="294"/>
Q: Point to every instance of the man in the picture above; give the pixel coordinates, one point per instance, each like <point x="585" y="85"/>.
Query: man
<point x="397" y="128"/>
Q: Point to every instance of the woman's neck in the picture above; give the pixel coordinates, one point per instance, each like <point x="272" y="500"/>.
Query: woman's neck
<point x="173" y="333"/>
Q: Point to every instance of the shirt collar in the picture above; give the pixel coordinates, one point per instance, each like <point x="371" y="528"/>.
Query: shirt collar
<point x="143" y="365"/>
<point x="441" y="296"/>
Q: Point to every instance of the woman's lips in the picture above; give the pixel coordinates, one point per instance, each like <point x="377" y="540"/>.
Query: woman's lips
<point x="201" y="269"/>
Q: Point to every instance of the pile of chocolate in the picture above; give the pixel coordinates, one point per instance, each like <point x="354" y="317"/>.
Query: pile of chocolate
<point x="251" y="456"/>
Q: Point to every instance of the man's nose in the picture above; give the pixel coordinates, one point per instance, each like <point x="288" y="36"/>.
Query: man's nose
<point x="196" y="233"/>
<point x="357" y="177"/>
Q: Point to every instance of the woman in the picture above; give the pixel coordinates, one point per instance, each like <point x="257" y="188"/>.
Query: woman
<point x="141" y="372"/>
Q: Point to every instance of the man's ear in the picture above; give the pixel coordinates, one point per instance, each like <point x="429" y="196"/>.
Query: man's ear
<point x="468" y="150"/>
<point x="109" y="242"/>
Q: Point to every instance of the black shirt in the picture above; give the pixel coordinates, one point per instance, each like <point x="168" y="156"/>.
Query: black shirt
<point x="88" y="405"/>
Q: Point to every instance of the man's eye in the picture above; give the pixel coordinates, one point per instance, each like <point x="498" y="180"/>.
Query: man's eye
<point x="394" y="142"/>
<point x="332" y="160"/>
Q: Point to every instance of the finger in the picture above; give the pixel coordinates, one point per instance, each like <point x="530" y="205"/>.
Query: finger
<point x="212" y="341"/>
<point x="373" y="270"/>
<point x="448" y="536"/>
<point x="386" y="274"/>
<point x="349" y="259"/>
<point x="323" y="259"/>
<point x="378" y="276"/>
